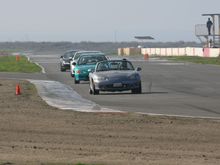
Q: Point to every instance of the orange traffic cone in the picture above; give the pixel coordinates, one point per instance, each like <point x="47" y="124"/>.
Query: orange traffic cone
<point x="18" y="90"/>
<point x="17" y="58"/>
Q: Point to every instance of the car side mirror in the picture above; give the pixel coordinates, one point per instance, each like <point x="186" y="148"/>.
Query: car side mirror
<point x="138" y="69"/>
<point x="74" y="63"/>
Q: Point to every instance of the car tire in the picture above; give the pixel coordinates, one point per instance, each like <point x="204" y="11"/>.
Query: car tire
<point x="62" y="70"/>
<point x="94" y="91"/>
<point x="72" y="75"/>
<point x="90" y="87"/>
<point x="137" y="90"/>
<point x="76" y="81"/>
<point x="90" y="91"/>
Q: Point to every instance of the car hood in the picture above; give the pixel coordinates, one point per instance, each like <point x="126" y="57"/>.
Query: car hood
<point x="85" y="67"/>
<point x="115" y="74"/>
<point x="66" y="59"/>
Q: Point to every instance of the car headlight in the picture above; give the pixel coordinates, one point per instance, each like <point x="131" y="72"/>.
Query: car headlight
<point x="77" y="71"/>
<point x="134" y="77"/>
<point x="97" y="79"/>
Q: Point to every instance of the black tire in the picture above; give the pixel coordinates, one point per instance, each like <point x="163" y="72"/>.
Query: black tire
<point x="137" y="90"/>
<point x="90" y="91"/>
<point x="76" y="81"/>
<point x="94" y="91"/>
<point x="90" y="87"/>
<point x="62" y="69"/>
<point x="72" y="75"/>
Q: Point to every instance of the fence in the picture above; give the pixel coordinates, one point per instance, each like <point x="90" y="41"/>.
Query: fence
<point x="188" y="51"/>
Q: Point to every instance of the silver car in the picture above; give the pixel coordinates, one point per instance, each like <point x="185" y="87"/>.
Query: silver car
<point x="115" y="75"/>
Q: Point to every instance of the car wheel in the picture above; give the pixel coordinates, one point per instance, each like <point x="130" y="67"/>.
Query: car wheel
<point x="72" y="75"/>
<point x="62" y="70"/>
<point x="137" y="90"/>
<point x="90" y="91"/>
<point x="90" y="87"/>
<point x="94" y="91"/>
<point x="76" y="81"/>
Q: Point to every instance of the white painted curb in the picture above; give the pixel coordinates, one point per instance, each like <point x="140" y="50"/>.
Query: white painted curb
<point x="42" y="68"/>
<point x="64" y="97"/>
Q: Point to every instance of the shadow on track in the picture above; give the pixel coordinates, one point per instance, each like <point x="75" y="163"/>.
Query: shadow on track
<point x="129" y="93"/>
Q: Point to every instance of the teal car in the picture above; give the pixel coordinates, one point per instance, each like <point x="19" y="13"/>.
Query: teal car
<point x="85" y="65"/>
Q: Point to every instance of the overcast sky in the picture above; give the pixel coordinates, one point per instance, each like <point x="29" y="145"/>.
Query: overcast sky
<point x="102" y="20"/>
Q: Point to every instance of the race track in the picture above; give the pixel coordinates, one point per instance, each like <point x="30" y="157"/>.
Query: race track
<point x="169" y="88"/>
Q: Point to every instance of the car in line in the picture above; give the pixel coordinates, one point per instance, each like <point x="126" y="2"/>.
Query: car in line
<point x="115" y="75"/>
<point x="85" y="64"/>
<point x="76" y="57"/>
<point x="65" y="60"/>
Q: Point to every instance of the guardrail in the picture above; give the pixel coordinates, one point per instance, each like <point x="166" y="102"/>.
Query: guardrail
<point x="201" y="30"/>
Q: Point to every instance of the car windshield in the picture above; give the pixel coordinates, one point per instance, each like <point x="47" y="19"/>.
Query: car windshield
<point x="77" y="55"/>
<point x="69" y="54"/>
<point x="114" y="65"/>
<point x="90" y="60"/>
<point x="72" y="53"/>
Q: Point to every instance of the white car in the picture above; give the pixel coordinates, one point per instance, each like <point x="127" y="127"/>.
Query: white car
<point x="76" y="57"/>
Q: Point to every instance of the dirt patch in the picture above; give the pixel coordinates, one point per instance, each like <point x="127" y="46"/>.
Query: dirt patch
<point x="31" y="132"/>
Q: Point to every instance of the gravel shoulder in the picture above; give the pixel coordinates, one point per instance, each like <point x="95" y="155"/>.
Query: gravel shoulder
<point x="31" y="132"/>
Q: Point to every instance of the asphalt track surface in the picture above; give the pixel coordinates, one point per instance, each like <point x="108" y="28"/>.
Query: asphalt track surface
<point x="170" y="88"/>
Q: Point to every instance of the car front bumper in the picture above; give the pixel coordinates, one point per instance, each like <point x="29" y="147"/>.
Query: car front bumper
<point x="82" y="77"/>
<point x="117" y="86"/>
<point x="65" y="66"/>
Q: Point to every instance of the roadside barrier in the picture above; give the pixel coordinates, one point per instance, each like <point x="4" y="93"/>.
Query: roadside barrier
<point x="184" y="51"/>
<point x="18" y="90"/>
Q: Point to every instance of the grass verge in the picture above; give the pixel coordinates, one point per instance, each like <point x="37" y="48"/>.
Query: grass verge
<point x="9" y="64"/>
<point x="198" y="60"/>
